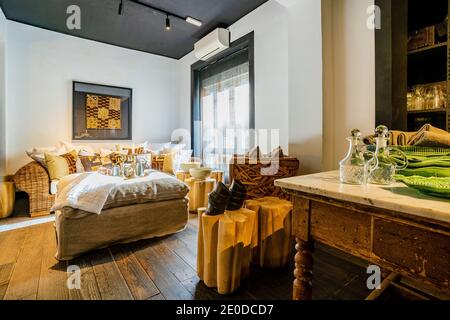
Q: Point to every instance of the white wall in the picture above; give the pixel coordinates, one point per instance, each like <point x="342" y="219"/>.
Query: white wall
<point x="349" y="75"/>
<point x="270" y="28"/>
<point x="305" y="83"/>
<point x="41" y="67"/>
<point x="2" y="95"/>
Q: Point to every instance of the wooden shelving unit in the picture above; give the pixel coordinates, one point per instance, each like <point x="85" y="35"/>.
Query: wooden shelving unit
<point x="399" y="69"/>
<point x="428" y="111"/>
<point x="430" y="64"/>
<point x="436" y="46"/>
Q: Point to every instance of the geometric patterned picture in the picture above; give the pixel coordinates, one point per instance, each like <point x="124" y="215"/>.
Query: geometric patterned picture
<point x="103" y="112"/>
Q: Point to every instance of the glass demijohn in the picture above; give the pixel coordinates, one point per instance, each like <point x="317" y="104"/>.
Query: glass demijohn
<point x="359" y="163"/>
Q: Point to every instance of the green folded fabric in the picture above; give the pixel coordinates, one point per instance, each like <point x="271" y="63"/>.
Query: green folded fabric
<point x="438" y="187"/>
<point x="430" y="162"/>
<point x="426" y="172"/>
<point x="424" y="151"/>
<point x="423" y="157"/>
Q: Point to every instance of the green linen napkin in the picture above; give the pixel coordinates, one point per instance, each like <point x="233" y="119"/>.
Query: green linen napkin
<point x="438" y="187"/>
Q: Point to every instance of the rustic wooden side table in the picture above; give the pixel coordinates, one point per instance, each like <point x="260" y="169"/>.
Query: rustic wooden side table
<point x="198" y="194"/>
<point x="275" y="241"/>
<point x="224" y="249"/>
<point x="7" y="198"/>
<point x="183" y="175"/>
<point x="217" y="175"/>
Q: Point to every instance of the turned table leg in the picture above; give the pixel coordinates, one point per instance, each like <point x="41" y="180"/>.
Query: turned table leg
<point x="303" y="271"/>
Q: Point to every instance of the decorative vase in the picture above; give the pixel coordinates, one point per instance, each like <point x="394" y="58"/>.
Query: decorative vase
<point x="356" y="167"/>
<point x="388" y="164"/>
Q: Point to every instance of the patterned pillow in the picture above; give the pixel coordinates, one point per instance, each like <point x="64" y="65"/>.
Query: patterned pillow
<point x="137" y="150"/>
<point x="61" y="166"/>
<point x="106" y="161"/>
<point x="71" y="159"/>
<point x="91" y="163"/>
<point x="116" y="158"/>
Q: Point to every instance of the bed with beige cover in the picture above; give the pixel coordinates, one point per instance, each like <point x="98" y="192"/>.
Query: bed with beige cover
<point x="95" y="211"/>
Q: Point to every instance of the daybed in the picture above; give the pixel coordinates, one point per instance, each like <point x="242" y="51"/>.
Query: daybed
<point x="79" y="232"/>
<point x="141" y="208"/>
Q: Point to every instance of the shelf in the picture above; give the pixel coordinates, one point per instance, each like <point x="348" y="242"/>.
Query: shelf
<point x="428" y="111"/>
<point x="424" y="49"/>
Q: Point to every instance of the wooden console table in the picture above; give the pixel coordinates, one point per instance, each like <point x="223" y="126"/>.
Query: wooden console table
<point x="394" y="227"/>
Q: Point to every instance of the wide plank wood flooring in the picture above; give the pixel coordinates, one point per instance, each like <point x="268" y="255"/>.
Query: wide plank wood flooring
<point x="154" y="269"/>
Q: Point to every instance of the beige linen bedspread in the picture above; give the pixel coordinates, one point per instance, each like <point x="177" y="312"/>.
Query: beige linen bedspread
<point x="94" y="192"/>
<point x="79" y="232"/>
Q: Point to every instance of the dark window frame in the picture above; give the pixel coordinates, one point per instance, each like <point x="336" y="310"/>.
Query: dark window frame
<point x="246" y="41"/>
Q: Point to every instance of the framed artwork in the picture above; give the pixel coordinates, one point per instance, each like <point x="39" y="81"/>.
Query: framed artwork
<point x="101" y="112"/>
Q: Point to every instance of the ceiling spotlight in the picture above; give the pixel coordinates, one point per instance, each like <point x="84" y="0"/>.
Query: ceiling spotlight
<point x="193" y="21"/>
<point x="120" y="7"/>
<point x="167" y="23"/>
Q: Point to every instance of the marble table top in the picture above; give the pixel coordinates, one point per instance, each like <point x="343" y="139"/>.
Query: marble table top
<point x="396" y="197"/>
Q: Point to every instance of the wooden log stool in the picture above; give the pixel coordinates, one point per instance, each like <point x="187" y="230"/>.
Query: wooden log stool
<point x="198" y="192"/>
<point x="7" y="198"/>
<point x="274" y="219"/>
<point x="217" y="175"/>
<point x="183" y="175"/>
<point x="225" y="244"/>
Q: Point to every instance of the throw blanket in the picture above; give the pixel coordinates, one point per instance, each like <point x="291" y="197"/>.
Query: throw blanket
<point x="87" y="191"/>
<point x="94" y="192"/>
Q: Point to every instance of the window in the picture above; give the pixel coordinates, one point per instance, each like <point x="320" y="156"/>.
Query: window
<point x="223" y="108"/>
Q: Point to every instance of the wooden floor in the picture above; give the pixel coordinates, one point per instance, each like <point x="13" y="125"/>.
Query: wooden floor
<point x="152" y="269"/>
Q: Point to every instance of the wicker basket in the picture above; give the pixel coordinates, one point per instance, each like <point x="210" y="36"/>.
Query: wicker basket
<point x="259" y="176"/>
<point x="34" y="180"/>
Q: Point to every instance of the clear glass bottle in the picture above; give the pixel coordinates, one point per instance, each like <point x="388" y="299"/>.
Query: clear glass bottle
<point x="388" y="162"/>
<point x="357" y="165"/>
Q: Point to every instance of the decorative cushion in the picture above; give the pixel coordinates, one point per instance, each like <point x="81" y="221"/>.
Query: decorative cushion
<point x="71" y="159"/>
<point x="106" y="161"/>
<point x="168" y="163"/>
<point x="60" y="166"/>
<point x="85" y="150"/>
<point x="91" y="163"/>
<point x="138" y="149"/>
<point x="37" y="154"/>
<point x="173" y="148"/>
<point x="157" y="148"/>
<point x="105" y="152"/>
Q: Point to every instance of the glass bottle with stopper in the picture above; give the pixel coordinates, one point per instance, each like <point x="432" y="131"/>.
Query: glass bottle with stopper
<point x="356" y="167"/>
<point x="390" y="159"/>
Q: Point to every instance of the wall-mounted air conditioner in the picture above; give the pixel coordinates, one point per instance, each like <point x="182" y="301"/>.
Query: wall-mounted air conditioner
<point x="212" y="44"/>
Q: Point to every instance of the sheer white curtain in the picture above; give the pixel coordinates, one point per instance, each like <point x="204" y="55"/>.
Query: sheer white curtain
<point x="225" y="108"/>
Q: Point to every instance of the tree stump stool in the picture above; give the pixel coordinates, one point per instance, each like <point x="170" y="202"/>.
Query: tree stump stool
<point x="225" y="245"/>
<point x="217" y="175"/>
<point x="183" y="175"/>
<point x="198" y="192"/>
<point x="7" y="198"/>
<point x="275" y="239"/>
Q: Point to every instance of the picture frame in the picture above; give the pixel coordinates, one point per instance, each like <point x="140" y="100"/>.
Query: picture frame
<point x="101" y="112"/>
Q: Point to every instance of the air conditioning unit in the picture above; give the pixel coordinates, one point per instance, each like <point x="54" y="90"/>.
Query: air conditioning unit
<point x="212" y="44"/>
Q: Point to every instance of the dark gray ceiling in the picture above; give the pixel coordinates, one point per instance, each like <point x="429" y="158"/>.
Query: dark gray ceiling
<point x="138" y="28"/>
